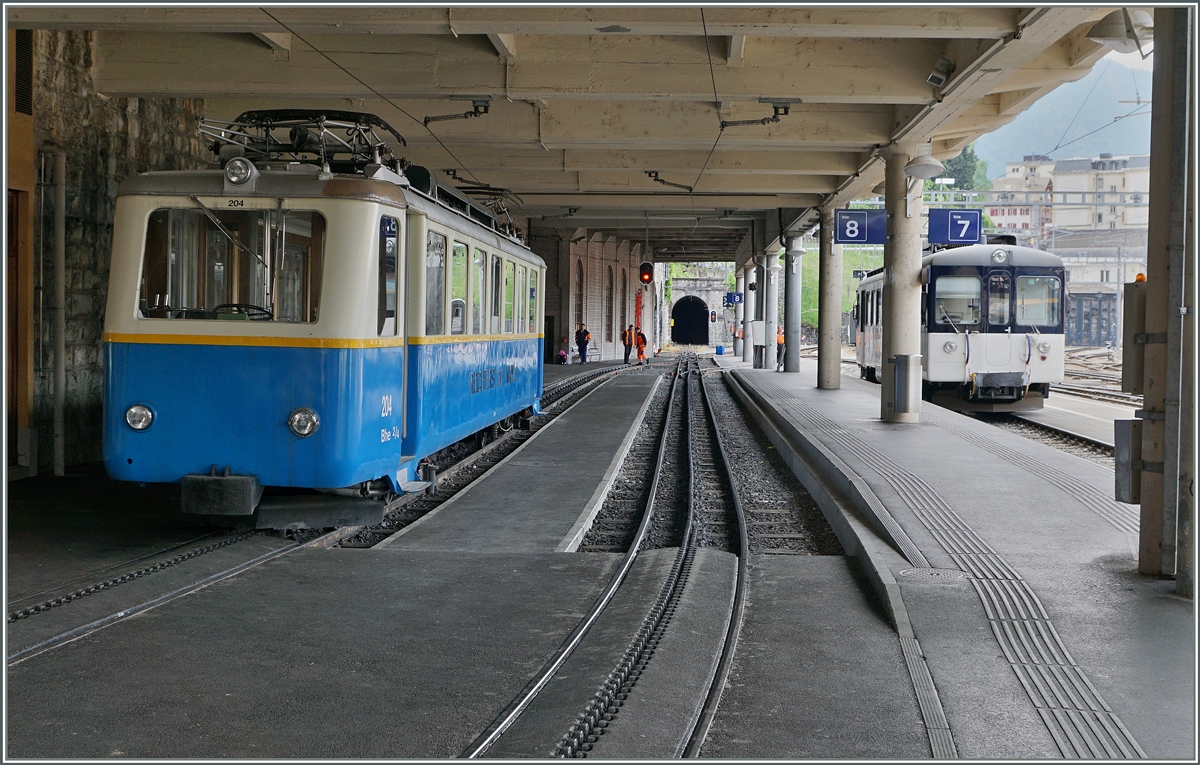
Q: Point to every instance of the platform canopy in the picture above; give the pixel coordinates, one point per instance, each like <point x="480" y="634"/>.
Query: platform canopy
<point x="588" y="105"/>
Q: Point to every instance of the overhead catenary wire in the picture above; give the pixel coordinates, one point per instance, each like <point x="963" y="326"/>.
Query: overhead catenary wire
<point x="362" y="82"/>
<point x="1081" y="105"/>
<point x="716" y="102"/>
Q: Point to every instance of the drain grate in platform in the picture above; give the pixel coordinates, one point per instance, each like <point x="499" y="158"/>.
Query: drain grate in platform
<point x="937" y="574"/>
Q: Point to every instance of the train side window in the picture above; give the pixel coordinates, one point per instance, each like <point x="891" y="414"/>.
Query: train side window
<point x="533" y="280"/>
<point x="478" y="289"/>
<point x="435" y="283"/>
<point x="999" y="297"/>
<point x="957" y="300"/>
<point x="497" y="288"/>
<point x="458" y="289"/>
<point x="510" y="276"/>
<point x="1038" y="300"/>
<point x="521" y="304"/>
<point x="389" y="239"/>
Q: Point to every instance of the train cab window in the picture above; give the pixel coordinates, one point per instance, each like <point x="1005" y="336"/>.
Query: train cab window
<point x="435" y="283"/>
<point x="458" y="289"/>
<point x="510" y="277"/>
<point x="258" y="265"/>
<point x="999" y="298"/>
<point x="497" y="288"/>
<point x="956" y="300"/>
<point x="533" y="280"/>
<point x="389" y="246"/>
<point x="520" y="304"/>
<point x="478" y="289"/>
<point x="1038" y="301"/>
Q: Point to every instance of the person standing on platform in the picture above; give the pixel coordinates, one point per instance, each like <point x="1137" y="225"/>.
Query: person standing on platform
<point x="627" y="339"/>
<point x="778" y="345"/>
<point x="582" y="338"/>
<point x="640" y="341"/>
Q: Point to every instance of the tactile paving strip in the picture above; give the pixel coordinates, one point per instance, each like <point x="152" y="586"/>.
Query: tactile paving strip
<point x="1081" y="723"/>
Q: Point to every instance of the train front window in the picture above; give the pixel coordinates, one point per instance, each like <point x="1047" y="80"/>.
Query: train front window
<point x="1038" y="301"/>
<point x="956" y="300"/>
<point x="999" y="297"/>
<point x="258" y="265"/>
<point x="435" y="283"/>
<point x="458" y="289"/>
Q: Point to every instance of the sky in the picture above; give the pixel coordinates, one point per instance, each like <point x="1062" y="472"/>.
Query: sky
<point x="1132" y="60"/>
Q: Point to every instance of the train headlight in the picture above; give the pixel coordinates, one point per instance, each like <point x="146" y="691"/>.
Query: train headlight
<point x="949" y="346"/>
<point x="238" y="171"/>
<point x="304" y="422"/>
<point x="998" y="256"/>
<point x="139" y="417"/>
<point x="1043" y="346"/>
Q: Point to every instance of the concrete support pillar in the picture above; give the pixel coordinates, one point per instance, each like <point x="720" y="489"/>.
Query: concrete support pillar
<point x="902" y="279"/>
<point x="829" y="309"/>
<point x="792" y="294"/>
<point x="1166" y="482"/>
<point x="748" y="315"/>
<point x="738" y="313"/>
<point x="760" y="304"/>
<point x="771" y="309"/>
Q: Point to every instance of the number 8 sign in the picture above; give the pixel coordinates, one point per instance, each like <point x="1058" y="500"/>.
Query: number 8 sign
<point x="859" y="226"/>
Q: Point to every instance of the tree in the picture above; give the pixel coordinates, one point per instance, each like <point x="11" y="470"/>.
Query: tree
<point x="968" y="171"/>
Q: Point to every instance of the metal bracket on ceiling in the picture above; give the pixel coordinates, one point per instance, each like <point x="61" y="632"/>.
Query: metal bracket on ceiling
<point x="781" y="106"/>
<point x="479" y="107"/>
<point x="654" y="177"/>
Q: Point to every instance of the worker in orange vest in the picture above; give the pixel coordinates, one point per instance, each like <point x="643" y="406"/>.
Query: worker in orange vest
<point x="778" y="344"/>
<point x="627" y="339"/>
<point x="640" y="341"/>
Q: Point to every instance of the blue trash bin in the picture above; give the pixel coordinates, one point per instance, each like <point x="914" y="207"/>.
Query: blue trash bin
<point x="720" y="350"/>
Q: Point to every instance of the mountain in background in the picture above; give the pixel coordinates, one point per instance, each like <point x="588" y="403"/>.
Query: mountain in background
<point x="1040" y="128"/>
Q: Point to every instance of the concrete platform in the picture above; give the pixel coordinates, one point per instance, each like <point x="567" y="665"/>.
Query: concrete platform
<point x="552" y="373"/>
<point x="1018" y="577"/>
<point x="533" y="502"/>
<point x="404" y="651"/>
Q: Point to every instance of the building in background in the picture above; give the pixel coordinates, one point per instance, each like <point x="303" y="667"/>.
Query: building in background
<point x="1110" y="181"/>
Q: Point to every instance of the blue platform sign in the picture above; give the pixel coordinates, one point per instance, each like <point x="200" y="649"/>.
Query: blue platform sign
<point x="955" y="226"/>
<point x="732" y="298"/>
<point x="860" y="226"/>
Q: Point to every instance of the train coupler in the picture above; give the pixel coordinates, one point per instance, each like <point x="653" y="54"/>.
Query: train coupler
<point x="223" y="494"/>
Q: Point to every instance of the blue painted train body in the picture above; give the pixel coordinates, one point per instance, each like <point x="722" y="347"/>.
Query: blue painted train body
<point x="285" y="325"/>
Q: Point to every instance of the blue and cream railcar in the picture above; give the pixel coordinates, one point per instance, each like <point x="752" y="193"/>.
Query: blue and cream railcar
<point x="276" y="324"/>
<point x="991" y="327"/>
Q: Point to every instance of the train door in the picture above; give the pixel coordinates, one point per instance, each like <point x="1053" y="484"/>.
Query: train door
<point x="998" y="332"/>
<point x="392" y="316"/>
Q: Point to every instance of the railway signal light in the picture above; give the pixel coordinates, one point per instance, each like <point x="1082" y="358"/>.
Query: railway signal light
<point x="646" y="272"/>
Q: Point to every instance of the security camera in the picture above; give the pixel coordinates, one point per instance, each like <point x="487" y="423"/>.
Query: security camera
<point x="941" y="72"/>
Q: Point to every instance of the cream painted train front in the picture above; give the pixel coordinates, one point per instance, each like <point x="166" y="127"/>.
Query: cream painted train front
<point x="991" y="327"/>
<point x="318" y="326"/>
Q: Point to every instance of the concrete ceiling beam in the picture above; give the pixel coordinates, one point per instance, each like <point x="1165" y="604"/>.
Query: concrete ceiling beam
<point x="557" y="204"/>
<point x="812" y="71"/>
<point x="938" y="22"/>
<point x="603" y="181"/>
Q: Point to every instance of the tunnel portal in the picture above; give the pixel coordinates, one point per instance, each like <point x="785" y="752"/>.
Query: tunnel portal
<point x="689" y="321"/>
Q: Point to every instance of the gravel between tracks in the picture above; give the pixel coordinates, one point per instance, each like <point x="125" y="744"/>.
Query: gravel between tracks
<point x="781" y="516"/>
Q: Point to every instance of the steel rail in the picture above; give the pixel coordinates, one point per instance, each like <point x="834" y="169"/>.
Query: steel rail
<point x="496" y="729"/>
<point x="725" y="665"/>
<point x="99" y="624"/>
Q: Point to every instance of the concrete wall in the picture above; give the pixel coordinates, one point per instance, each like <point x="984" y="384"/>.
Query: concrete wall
<point x="106" y="140"/>
<point x="591" y="255"/>
<point x="710" y="289"/>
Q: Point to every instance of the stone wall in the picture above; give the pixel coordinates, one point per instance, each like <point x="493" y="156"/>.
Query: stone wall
<point x="106" y="141"/>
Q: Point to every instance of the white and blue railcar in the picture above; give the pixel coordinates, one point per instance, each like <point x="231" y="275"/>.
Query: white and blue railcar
<point x="315" y="315"/>
<point x="991" y="326"/>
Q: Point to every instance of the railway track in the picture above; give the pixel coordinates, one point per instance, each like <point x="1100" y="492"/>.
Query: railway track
<point x="685" y="499"/>
<point x="1099" y="394"/>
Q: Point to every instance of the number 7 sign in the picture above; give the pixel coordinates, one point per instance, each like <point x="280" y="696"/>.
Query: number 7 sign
<point x="955" y="226"/>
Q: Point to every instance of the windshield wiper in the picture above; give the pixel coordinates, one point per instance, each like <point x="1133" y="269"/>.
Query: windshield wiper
<point x="232" y="237"/>
<point x="946" y="316"/>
